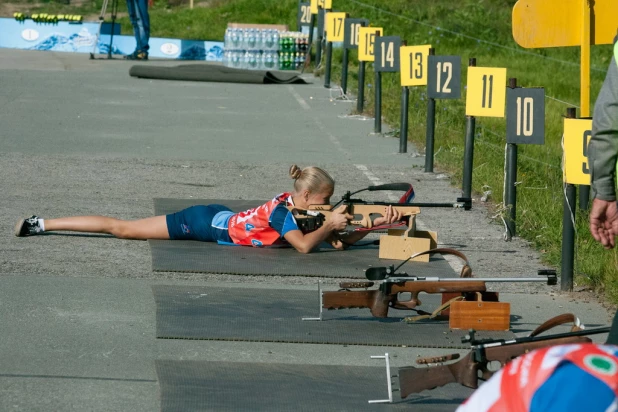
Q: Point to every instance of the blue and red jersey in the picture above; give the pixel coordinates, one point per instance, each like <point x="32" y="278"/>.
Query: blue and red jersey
<point x="264" y="225"/>
<point x="580" y="377"/>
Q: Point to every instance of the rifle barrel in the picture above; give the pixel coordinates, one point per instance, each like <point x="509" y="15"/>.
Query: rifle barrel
<point x="525" y="339"/>
<point x="464" y="280"/>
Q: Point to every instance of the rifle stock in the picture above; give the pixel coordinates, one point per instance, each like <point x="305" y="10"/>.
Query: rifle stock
<point x="379" y="300"/>
<point x="466" y="371"/>
<point x="362" y="212"/>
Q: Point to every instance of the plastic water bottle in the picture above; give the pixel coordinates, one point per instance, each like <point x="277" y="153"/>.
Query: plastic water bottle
<point x="236" y="39"/>
<point x="226" y="40"/>
<point x="276" y="37"/>
<point x="267" y="60"/>
<point x="250" y="39"/>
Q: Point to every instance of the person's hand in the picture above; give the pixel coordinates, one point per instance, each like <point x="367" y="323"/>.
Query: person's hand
<point x="604" y="222"/>
<point x="338" y="220"/>
<point x="390" y="216"/>
<point x="150" y="3"/>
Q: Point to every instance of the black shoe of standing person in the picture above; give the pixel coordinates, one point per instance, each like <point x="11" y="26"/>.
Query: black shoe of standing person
<point x="137" y="55"/>
<point x="28" y="227"/>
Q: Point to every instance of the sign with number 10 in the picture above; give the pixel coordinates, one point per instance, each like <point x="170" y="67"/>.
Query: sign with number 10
<point x="414" y="65"/>
<point x="525" y="115"/>
<point x="577" y="134"/>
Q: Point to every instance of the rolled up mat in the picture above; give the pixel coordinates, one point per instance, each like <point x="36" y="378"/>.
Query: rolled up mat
<point x="215" y="73"/>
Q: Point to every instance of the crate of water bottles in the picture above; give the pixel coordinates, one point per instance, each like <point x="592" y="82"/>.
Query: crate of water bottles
<point x="248" y="48"/>
<point x="264" y="49"/>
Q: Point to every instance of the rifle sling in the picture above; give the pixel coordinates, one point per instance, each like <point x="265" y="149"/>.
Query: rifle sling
<point x="440" y="309"/>
<point x="556" y="321"/>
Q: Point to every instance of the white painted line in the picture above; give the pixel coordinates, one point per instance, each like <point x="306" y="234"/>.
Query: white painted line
<point x="453" y="261"/>
<point x="298" y="98"/>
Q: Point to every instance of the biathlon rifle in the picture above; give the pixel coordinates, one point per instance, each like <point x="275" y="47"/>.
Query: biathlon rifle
<point x="392" y="284"/>
<point x="315" y="215"/>
<point x="486" y="353"/>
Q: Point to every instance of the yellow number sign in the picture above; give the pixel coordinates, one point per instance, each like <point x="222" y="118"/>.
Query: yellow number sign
<point x="414" y="65"/>
<point x="334" y="26"/>
<point x="366" y="40"/>
<point x="314" y="6"/>
<point x="577" y="133"/>
<point x="486" y="91"/>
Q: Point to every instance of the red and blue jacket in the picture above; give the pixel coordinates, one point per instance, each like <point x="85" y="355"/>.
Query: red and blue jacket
<point x="581" y="377"/>
<point x="265" y="225"/>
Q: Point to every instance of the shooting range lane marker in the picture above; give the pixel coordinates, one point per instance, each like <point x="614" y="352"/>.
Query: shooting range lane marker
<point x="332" y="138"/>
<point x="299" y="98"/>
<point x="453" y="262"/>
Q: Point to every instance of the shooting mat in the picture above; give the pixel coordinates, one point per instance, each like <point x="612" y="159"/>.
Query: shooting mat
<point x="204" y="257"/>
<point x="275" y="315"/>
<point x="215" y="73"/>
<point x="230" y="386"/>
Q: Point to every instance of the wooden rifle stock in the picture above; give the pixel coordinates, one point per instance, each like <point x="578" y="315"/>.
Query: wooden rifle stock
<point x="379" y="300"/>
<point x="466" y="371"/>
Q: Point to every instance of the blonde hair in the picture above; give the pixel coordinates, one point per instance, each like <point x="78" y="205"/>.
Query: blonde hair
<point x="311" y="178"/>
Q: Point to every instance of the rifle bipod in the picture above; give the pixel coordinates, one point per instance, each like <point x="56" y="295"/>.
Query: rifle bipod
<point x="319" y="318"/>
<point x="389" y="382"/>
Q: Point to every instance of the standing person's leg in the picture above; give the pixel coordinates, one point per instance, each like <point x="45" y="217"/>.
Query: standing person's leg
<point x="133" y="17"/>
<point x="143" y="22"/>
<point x="149" y="228"/>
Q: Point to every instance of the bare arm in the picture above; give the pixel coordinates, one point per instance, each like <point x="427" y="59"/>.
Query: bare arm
<point x="347" y="239"/>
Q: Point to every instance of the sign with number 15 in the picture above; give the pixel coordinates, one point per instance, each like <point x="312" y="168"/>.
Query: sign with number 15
<point x="366" y="41"/>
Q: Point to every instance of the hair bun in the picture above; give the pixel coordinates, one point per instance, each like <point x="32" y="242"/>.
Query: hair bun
<point x="295" y="172"/>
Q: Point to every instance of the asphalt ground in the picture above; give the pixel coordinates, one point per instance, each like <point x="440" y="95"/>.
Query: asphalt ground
<point x="82" y="137"/>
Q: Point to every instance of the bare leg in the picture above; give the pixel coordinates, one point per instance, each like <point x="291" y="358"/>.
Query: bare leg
<point x="149" y="228"/>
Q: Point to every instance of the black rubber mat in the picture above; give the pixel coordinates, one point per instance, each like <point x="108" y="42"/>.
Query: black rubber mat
<point x="202" y="257"/>
<point x="215" y="73"/>
<point x="275" y="315"/>
<point x="229" y="386"/>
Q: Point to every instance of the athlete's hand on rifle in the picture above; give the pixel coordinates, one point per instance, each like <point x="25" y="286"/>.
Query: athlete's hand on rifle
<point x="604" y="222"/>
<point x="338" y="220"/>
<point x="390" y="216"/>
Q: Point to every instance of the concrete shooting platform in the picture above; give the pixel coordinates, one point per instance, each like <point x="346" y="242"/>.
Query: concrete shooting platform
<point x="82" y="137"/>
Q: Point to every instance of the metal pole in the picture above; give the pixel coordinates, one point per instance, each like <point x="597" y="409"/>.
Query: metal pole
<point x="510" y="194"/>
<point x="584" y="197"/>
<point x="469" y="149"/>
<point x="511" y="189"/>
<point x="318" y="50"/>
<point x="344" y="71"/>
<point x="311" y="28"/>
<point x="431" y="127"/>
<point x="329" y="58"/>
<point x="568" y="230"/>
<point x="360" y="103"/>
<point x="403" y="131"/>
<point x="378" y="103"/>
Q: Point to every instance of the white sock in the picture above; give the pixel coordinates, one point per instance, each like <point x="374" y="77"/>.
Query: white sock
<point x="42" y="225"/>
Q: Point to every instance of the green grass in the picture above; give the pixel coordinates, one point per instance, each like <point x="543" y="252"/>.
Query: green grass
<point x="468" y="28"/>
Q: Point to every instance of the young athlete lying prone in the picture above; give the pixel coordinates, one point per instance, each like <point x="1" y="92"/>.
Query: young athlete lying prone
<point x="271" y="224"/>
